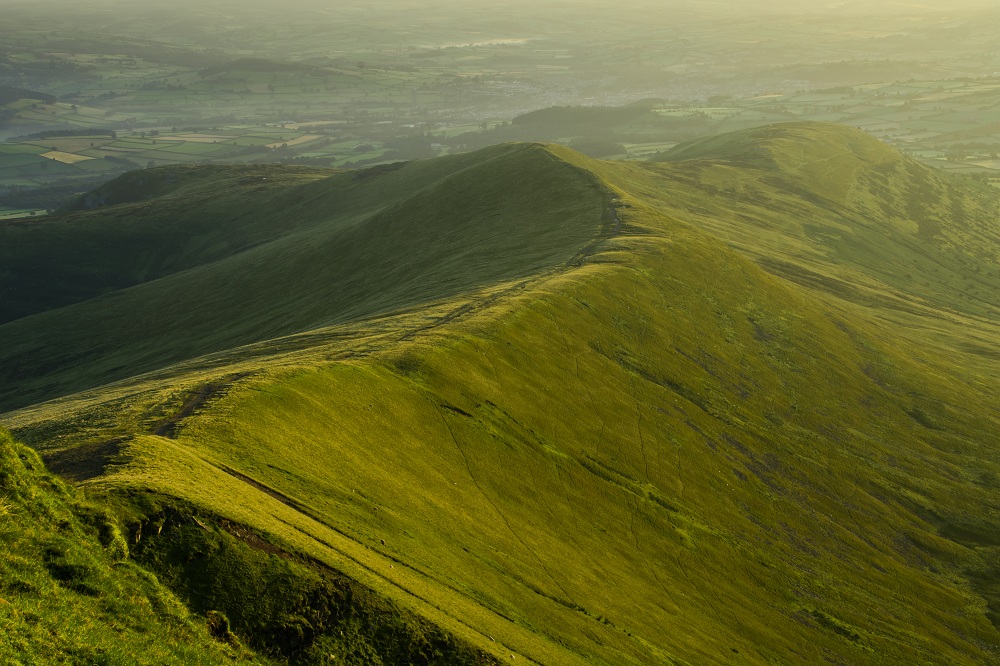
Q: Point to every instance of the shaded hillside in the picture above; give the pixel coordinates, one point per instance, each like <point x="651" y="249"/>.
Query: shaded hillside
<point x="201" y="214"/>
<point x="726" y="432"/>
<point x="9" y="95"/>
<point x="584" y="127"/>
<point x="369" y="244"/>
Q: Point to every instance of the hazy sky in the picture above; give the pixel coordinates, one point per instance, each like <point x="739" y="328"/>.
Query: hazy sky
<point x="804" y="6"/>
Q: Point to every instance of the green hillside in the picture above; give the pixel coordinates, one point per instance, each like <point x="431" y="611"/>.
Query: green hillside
<point x="734" y="407"/>
<point x="56" y="261"/>
<point x="857" y="221"/>
<point x="371" y="242"/>
<point x="69" y="593"/>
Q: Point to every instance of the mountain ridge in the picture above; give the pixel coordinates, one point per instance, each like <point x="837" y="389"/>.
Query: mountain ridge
<point x="666" y="450"/>
<point x="498" y="237"/>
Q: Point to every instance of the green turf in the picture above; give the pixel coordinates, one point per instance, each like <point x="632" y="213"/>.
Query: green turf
<point x="14" y="160"/>
<point x="69" y="594"/>
<point x="21" y="149"/>
<point x="753" y="423"/>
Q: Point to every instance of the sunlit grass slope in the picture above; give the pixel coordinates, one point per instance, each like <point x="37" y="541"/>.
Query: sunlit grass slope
<point x="68" y="592"/>
<point x="831" y="208"/>
<point x="376" y="242"/>
<point x="719" y="436"/>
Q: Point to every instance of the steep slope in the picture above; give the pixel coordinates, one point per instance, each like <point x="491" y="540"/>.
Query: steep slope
<point x="157" y="222"/>
<point x="503" y="214"/>
<point x="69" y="593"/>
<point x="669" y="450"/>
<point x="201" y="214"/>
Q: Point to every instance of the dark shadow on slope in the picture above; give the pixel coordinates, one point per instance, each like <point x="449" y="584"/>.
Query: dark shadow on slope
<point x="280" y="603"/>
<point x="510" y="212"/>
<point x="80" y="463"/>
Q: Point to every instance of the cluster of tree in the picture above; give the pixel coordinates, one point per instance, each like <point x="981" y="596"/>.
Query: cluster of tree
<point x="577" y="120"/>
<point x="42" y="72"/>
<point x="982" y="177"/>
<point x="254" y="65"/>
<point x="51" y="134"/>
<point x="160" y="85"/>
<point x="123" y="161"/>
<point x="104" y="97"/>
<point x="595" y="131"/>
<point x="958" y="152"/>
<point x="409" y="148"/>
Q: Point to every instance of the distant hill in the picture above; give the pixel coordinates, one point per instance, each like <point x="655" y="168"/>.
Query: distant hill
<point x="9" y="95"/>
<point x="919" y="238"/>
<point x="733" y="407"/>
<point x="255" y="65"/>
<point x="572" y="120"/>
<point x="596" y="125"/>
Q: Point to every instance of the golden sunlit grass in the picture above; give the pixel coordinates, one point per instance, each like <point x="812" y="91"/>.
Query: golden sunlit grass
<point x="754" y="426"/>
<point x="65" y="158"/>
<point x="67" y="593"/>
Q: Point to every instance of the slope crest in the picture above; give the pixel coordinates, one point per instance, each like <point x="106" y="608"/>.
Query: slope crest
<point x="815" y="201"/>
<point x="142" y="226"/>
<point x="782" y="145"/>
<point x="530" y="212"/>
<point x="152" y="223"/>
<point x="817" y="158"/>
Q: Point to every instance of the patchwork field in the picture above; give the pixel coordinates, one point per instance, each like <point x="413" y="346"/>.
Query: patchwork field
<point x="948" y="131"/>
<point x="347" y="89"/>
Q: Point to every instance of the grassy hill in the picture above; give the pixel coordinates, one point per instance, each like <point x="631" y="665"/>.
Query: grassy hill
<point x="857" y="221"/>
<point x="734" y="407"/>
<point x="9" y="94"/>
<point x="70" y="594"/>
<point x="371" y="242"/>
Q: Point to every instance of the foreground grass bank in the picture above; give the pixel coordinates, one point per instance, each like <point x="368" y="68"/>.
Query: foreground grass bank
<point x="70" y="592"/>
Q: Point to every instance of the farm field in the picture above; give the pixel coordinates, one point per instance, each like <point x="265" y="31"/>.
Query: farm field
<point x="382" y="94"/>
<point x="11" y="213"/>
<point x="80" y="161"/>
<point x="414" y="65"/>
<point x="950" y="132"/>
<point x="956" y="131"/>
